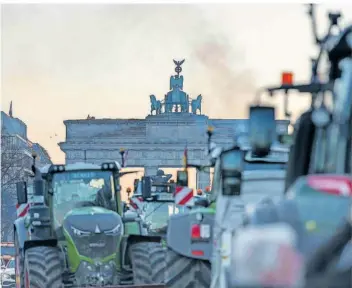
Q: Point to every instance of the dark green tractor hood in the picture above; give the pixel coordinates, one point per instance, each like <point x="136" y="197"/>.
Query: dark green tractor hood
<point x="92" y="219"/>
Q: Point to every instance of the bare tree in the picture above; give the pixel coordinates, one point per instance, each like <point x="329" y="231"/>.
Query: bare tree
<point x="15" y="161"/>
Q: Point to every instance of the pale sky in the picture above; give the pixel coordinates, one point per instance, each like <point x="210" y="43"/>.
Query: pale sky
<point x="67" y="61"/>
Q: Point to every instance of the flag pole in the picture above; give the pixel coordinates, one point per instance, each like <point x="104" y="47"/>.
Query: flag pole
<point x="185" y="158"/>
<point x="122" y="153"/>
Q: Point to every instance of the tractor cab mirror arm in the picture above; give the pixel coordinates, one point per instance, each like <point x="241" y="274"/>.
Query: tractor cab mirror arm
<point x="311" y="88"/>
<point x="201" y="168"/>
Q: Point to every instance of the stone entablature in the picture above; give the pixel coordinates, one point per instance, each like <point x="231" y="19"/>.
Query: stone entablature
<point x="162" y="142"/>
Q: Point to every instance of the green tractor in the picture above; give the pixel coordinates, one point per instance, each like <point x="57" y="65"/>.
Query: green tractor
<point x="76" y="233"/>
<point x="155" y="204"/>
<point x="189" y="236"/>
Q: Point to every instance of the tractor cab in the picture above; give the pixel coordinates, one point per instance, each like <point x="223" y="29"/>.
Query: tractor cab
<point x="74" y="188"/>
<point x="155" y="202"/>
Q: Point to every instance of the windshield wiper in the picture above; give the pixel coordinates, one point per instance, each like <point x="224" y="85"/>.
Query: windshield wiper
<point x="156" y="208"/>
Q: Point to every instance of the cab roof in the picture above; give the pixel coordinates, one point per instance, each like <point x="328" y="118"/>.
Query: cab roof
<point x="78" y="166"/>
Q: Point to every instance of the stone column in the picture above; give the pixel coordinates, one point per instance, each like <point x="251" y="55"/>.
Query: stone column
<point x="150" y="170"/>
<point x="203" y="180"/>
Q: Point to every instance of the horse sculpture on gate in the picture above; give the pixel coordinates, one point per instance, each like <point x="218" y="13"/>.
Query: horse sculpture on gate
<point x="197" y="105"/>
<point x="176" y="100"/>
<point x="155" y="105"/>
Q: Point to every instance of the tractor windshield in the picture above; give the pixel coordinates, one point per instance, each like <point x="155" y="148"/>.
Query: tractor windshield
<point x="75" y="189"/>
<point x="158" y="213"/>
<point x="11" y="264"/>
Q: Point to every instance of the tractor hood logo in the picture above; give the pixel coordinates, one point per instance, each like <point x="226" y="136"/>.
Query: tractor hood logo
<point x="99" y="244"/>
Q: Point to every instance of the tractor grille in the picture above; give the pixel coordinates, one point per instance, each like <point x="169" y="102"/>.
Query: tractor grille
<point x="96" y="245"/>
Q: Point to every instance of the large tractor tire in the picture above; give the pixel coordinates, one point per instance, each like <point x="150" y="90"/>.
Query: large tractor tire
<point x="186" y="272"/>
<point x="148" y="262"/>
<point x="42" y="268"/>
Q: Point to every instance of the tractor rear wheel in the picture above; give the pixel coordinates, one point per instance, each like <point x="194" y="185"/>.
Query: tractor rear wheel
<point x="186" y="272"/>
<point x="148" y="262"/>
<point x="42" y="268"/>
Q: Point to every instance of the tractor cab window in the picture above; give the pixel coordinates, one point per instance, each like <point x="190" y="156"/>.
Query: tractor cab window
<point x="77" y="189"/>
<point x="160" y="188"/>
<point x="11" y="264"/>
<point x="264" y="166"/>
<point x="216" y="182"/>
<point x="158" y="213"/>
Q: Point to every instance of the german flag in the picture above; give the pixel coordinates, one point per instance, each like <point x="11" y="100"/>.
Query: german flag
<point x="185" y="157"/>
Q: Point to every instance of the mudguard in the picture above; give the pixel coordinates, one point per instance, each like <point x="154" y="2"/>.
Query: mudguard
<point x="39" y="242"/>
<point x="179" y="234"/>
<point x="23" y="239"/>
<point x="131" y="239"/>
<point x="20" y="231"/>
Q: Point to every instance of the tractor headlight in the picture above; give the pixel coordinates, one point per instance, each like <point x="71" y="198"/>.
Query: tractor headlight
<point x="78" y="232"/>
<point x="108" y="269"/>
<point x="88" y="266"/>
<point x="114" y="231"/>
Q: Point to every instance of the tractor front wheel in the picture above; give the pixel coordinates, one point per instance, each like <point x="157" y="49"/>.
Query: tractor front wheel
<point x="18" y="264"/>
<point x="148" y="262"/>
<point x="42" y="268"/>
<point x="186" y="272"/>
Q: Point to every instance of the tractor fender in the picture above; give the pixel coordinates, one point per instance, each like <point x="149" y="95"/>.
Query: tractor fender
<point x="20" y="231"/>
<point x="132" y="239"/>
<point x="179" y="234"/>
<point x="23" y="239"/>
<point x="39" y="242"/>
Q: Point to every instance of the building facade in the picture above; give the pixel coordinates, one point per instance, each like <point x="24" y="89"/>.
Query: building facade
<point x="16" y="161"/>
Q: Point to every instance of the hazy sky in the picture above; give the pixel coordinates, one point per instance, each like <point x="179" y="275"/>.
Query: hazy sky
<point x="67" y="61"/>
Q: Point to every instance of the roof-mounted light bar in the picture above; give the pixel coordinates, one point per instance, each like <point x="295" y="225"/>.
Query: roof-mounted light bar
<point x="56" y="168"/>
<point x="110" y="166"/>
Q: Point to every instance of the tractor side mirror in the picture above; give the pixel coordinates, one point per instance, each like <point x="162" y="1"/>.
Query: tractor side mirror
<point x="135" y="185"/>
<point x="201" y="202"/>
<point x="22" y="196"/>
<point x="182" y="178"/>
<point x="146" y="187"/>
<point x="39" y="187"/>
<point x="231" y="167"/>
<point x="124" y="207"/>
<point x="130" y="216"/>
<point x="262" y="129"/>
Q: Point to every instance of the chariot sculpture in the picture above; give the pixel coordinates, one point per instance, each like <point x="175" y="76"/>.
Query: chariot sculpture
<point x="176" y="100"/>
